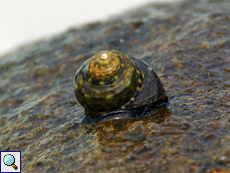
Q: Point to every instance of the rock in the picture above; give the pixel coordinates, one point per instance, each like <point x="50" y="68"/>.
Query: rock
<point x="188" y="46"/>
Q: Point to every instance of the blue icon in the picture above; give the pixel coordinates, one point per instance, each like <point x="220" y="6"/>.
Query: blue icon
<point x="9" y="160"/>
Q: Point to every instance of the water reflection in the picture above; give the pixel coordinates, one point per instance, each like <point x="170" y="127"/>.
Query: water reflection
<point x="123" y="133"/>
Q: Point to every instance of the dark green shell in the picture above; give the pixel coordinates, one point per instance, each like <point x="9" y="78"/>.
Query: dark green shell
<point x="112" y="83"/>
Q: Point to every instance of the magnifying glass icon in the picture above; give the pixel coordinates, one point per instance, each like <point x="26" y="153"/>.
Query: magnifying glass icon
<point x="9" y="160"/>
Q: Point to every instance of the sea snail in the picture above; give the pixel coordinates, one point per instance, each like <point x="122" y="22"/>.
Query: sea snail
<point x="114" y="85"/>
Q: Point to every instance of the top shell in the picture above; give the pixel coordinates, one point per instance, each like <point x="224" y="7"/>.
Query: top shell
<point x="111" y="80"/>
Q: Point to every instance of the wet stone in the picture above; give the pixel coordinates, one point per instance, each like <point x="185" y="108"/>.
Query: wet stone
<point x="186" y="43"/>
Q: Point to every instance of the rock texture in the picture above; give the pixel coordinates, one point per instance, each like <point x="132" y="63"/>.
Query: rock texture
<point x="188" y="46"/>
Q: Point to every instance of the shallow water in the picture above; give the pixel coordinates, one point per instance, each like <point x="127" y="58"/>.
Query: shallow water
<point x="187" y="45"/>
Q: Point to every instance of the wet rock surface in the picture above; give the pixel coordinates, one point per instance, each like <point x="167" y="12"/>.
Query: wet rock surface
<point x="188" y="46"/>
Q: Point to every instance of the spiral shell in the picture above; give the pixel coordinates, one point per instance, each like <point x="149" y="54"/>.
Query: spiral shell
<point x="111" y="80"/>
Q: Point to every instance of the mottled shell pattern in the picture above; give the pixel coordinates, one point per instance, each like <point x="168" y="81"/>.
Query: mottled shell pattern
<point x="111" y="80"/>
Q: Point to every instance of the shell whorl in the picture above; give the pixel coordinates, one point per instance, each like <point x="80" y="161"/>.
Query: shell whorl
<point x="104" y="65"/>
<point x="106" y="81"/>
